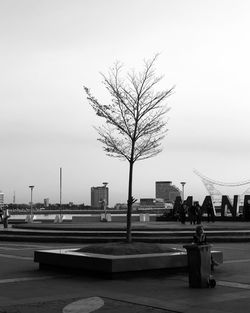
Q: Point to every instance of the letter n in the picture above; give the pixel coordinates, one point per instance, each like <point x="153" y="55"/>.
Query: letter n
<point x="225" y="202"/>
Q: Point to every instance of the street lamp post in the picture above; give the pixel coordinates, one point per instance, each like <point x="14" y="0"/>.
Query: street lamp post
<point x="31" y="202"/>
<point x="60" y="218"/>
<point x="105" y="200"/>
<point x="183" y="184"/>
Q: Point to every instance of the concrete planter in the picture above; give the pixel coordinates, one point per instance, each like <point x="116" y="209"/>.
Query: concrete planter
<point x="70" y="258"/>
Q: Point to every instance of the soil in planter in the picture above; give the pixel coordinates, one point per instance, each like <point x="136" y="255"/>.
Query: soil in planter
<point x="124" y="248"/>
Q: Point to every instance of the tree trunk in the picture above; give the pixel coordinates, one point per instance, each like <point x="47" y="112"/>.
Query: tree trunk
<point x="130" y="202"/>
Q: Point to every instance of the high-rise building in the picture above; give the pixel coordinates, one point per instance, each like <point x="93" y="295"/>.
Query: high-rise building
<point x="166" y="191"/>
<point x="1" y="199"/>
<point x="99" y="195"/>
<point x="46" y="202"/>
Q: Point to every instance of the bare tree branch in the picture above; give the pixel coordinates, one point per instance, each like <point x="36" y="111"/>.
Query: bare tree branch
<point x="135" y="125"/>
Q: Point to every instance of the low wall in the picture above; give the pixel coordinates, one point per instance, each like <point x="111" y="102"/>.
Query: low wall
<point x="86" y="218"/>
<point x="53" y="218"/>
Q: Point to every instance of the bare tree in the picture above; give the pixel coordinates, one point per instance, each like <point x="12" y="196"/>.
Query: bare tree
<point x="135" y="124"/>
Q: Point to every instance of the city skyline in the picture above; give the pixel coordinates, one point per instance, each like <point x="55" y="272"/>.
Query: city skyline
<point x="51" y="49"/>
<point x="240" y="189"/>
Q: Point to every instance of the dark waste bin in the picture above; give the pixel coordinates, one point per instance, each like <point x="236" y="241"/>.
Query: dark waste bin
<point x="199" y="266"/>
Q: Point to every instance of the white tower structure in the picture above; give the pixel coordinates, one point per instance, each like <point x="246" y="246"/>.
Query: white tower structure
<point x="212" y="188"/>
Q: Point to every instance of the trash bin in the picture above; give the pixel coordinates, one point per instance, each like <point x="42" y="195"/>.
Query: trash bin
<point x="199" y="266"/>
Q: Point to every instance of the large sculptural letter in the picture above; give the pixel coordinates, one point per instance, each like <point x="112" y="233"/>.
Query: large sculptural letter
<point x="189" y="201"/>
<point x="246" y="208"/>
<point x="207" y="206"/>
<point x="225" y="202"/>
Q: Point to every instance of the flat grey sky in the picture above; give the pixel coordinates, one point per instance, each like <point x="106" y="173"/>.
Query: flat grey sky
<point x="51" y="48"/>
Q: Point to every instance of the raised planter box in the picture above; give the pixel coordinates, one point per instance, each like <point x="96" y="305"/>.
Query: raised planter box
<point x="70" y="258"/>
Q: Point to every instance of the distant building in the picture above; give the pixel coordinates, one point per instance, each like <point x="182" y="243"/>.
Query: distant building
<point x="147" y="201"/>
<point x="46" y="202"/>
<point x="166" y="191"/>
<point x="120" y="206"/>
<point x="124" y="206"/>
<point x="1" y="199"/>
<point x="151" y="203"/>
<point x="98" y="195"/>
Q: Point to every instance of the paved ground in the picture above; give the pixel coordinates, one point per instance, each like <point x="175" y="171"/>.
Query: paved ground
<point x="25" y="289"/>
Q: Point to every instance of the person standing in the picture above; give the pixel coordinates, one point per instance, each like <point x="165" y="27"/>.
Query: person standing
<point x="210" y="213"/>
<point x="192" y="214"/>
<point x="183" y="211"/>
<point x="198" y="212"/>
<point x="200" y="238"/>
<point x="5" y="217"/>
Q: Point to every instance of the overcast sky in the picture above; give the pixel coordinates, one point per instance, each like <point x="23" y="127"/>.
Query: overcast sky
<point x="51" y="48"/>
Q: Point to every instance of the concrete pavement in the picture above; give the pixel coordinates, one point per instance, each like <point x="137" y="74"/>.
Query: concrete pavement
<point x="26" y="289"/>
